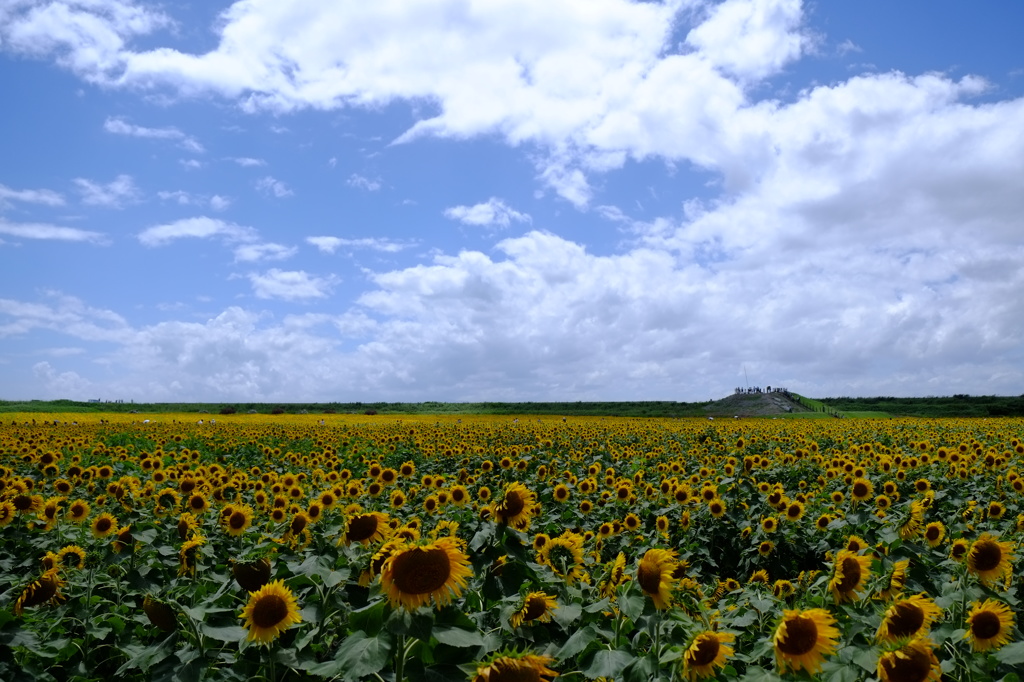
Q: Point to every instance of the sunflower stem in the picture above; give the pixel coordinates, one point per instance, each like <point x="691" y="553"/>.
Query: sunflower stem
<point x="400" y="660"/>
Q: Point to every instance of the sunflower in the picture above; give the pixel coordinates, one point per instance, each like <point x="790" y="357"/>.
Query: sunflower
<point x="564" y="556"/>
<point x="366" y="528"/>
<point x="822" y="522"/>
<point x="413" y="575"/>
<point x="124" y="539"/>
<point x="43" y="590"/>
<point x="913" y="662"/>
<point x="934" y="532"/>
<point x="515" y="508"/>
<point x="514" y="667"/>
<point x="759" y="576"/>
<point x="614" y="575"/>
<point x="804" y="638"/>
<point x="849" y="574"/>
<point x="855" y="544"/>
<point x="238" y="520"/>
<point x="71" y="556"/>
<point x="958" y="550"/>
<point x="765" y="548"/>
<point x="251" y="575"/>
<point x="707" y="651"/>
<point x="561" y="493"/>
<point x="270" y="611"/>
<point x="78" y="511"/>
<point x="7" y="512"/>
<point x="536" y="606"/>
<point x="794" y="511"/>
<point x="783" y="589"/>
<point x="198" y="504"/>
<point x="908" y="618"/>
<point x="897" y="579"/>
<point x="990" y="559"/>
<point x="160" y="615"/>
<point x="188" y="555"/>
<point x="631" y="522"/>
<point x="861" y="489"/>
<point x="989" y="625"/>
<point x="655" y="576"/>
<point x="996" y="510"/>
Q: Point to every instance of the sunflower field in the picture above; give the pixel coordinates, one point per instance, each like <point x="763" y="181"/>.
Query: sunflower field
<point x="493" y="549"/>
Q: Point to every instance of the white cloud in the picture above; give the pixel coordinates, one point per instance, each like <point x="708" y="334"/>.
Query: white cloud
<point x="248" y="162"/>
<point x="44" y="231"/>
<point x="219" y="203"/>
<point x="190" y="164"/>
<point x="32" y="196"/>
<point x="201" y="228"/>
<point x="114" y="194"/>
<point x="493" y="212"/>
<point x="263" y="251"/>
<point x="270" y="185"/>
<point x="360" y="182"/>
<point x="179" y="196"/>
<point x="290" y="285"/>
<point x="329" y="244"/>
<point x="119" y="126"/>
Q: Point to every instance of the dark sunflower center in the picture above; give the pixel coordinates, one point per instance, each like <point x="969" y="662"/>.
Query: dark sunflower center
<point x="906" y="620"/>
<point x="801" y="636"/>
<point x="298" y="524"/>
<point x="269" y="611"/>
<point x="102" y="525"/>
<point x="421" y="571"/>
<point x="22" y="502"/>
<point x="197" y="502"/>
<point x="793" y="511"/>
<point x="931" y="533"/>
<point x="851" y="575"/>
<point x="706" y="651"/>
<point x="362" y="528"/>
<point x="987" y="555"/>
<point x="237" y="521"/>
<point x="860" y="490"/>
<point x="535" y="608"/>
<point x="649" y="578"/>
<point x="513" y="504"/>
<point x="912" y="666"/>
<point x="959" y="550"/>
<point x="985" y="625"/>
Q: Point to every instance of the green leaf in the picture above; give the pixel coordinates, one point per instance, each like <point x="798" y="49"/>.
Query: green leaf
<point x="357" y="657"/>
<point x="226" y="633"/>
<point x="605" y="663"/>
<point x="458" y="637"/>
<point x="867" y="659"/>
<point x="755" y="674"/>
<point x="567" y="614"/>
<point x="745" y="619"/>
<point x="640" y="670"/>
<point x="576" y="643"/>
<point x="1011" y="654"/>
<point x="631" y="605"/>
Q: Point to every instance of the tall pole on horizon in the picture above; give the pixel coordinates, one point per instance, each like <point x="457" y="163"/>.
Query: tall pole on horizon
<point x="745" y="380"/>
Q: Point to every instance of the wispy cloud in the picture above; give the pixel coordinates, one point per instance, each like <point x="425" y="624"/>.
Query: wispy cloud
<point x="360" y="182"/>
<point x="119" y="126"/>
<point x="273" y="186"/>
<point x="31" y="196"/>
<point x="493" y="212"/>
<point x="200" y="227"/>
<point x="251" y="253"/>
<point x="112" y="195"/>
<point x="248" y="162"/>
<point x="49" y="232"/>
<point x="329" y="244"/>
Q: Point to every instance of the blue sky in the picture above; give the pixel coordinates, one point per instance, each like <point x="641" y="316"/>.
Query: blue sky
<point x="494" y="200"/>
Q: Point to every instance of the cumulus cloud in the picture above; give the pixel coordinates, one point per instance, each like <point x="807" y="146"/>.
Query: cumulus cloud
<point x="119" y="126"/>
<point x="200" y="227"/>
<point x="491" y="213"/>
<point x="272" y="186"/>
<point x="219" y="203"/>
<point x="290" y="285"/>
<point x="114" y="194"/>
<point x="249" y="162"/>
<point x="44" y="231"/>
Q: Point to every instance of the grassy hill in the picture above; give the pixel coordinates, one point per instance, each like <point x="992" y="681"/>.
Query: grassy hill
<point x="741" y="404"/>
